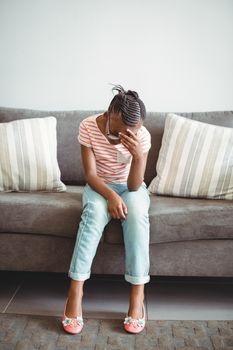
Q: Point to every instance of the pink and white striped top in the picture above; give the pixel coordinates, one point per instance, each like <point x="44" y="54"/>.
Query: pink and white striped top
<point x="112" y="161"/>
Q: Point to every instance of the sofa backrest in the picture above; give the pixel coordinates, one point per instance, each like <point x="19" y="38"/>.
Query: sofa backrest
<point x="68" y="147"/>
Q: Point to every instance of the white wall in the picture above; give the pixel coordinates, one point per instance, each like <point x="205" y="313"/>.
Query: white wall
<point x="62" y="54"/>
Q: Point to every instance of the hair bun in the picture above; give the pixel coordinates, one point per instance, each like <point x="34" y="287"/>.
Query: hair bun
<point x="132" y="93"/>
<point x="124" y="93"/>
<point x="119" y="88"/>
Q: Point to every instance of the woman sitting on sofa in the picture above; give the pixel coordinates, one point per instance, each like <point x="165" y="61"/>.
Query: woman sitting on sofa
<point x="114" y="148"/>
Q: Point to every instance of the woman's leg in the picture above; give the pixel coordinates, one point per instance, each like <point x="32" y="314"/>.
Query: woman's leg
<point x="136" y="229"/>
<point x="75" y="295"/>
<point x="94" y="218"/>
<point x="136" y="300"/>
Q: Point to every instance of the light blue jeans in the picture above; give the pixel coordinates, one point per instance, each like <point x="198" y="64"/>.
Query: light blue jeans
<point x="136" y="229"/>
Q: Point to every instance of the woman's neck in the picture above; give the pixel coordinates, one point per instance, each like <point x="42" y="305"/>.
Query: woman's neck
<point x="101" y="121"/>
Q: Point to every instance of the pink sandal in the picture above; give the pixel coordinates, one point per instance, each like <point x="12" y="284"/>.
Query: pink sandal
<point x="72" y="325"/>
<point x="132" y="325"/>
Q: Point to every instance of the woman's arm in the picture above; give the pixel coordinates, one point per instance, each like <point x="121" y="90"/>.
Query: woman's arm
<point x="137" y="171"/>
<point x="91" y="176"/>
<point x="116" y="206"/>
<point x="139" y="160"/>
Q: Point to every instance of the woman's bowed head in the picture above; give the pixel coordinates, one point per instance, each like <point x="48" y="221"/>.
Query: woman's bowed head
<point x="125" y="116"/>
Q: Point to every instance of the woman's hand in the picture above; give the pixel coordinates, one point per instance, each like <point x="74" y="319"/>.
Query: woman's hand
<point x="132" y="143"/>
<point x="116" y="207"/>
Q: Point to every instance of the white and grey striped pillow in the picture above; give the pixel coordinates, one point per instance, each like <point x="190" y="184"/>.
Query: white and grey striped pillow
<point x="195" y="160"/>
<point x="28" y="156"/>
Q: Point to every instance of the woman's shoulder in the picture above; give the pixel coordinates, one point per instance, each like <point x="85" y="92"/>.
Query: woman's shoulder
<point x="89" y="118"/>
<point x="144" y="132"/>
<point x="89" y="122"/>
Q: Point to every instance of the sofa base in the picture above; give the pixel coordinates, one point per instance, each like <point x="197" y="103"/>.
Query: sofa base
<point x="24" y="252"/>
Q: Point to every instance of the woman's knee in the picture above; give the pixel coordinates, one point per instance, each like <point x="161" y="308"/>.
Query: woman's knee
<point x="95" y="205"/>
<point x="137" y="203"/>
<point x="98" y="210"/>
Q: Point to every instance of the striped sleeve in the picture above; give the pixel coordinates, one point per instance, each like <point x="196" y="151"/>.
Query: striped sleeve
<point x="145" y="140"/>
<point x="83" y="136"/>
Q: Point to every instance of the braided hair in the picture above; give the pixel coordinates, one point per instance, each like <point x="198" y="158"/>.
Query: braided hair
<point x="129" y="104"/>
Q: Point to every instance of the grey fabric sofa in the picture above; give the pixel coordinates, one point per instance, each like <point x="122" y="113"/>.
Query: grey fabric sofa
<point x="188" y="237"/>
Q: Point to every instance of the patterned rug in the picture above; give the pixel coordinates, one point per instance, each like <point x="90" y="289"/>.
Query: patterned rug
<point x="26" y="332"/>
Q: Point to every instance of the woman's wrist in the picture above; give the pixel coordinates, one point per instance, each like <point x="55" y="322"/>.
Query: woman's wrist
<point x="111" y="194"/>
<point x="137" y="157"/>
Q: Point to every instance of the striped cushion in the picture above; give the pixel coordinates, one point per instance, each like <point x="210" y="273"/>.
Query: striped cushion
<point x="28" y="156"/>
<point x="195" y="160"/>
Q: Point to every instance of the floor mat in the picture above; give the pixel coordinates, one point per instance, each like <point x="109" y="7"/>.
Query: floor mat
<point x="27" y="332"/>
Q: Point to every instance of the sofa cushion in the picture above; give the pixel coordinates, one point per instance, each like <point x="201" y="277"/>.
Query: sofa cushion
<point x="182" y="219"/>
<point x="51" y="213"/>
<point x="28" y="156"/>
<point x="171" y="219"/>
<point x="195" y="160"/>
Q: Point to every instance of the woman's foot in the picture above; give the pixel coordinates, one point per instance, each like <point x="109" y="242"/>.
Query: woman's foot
<point x="135" y="319"/>
<point x="72" y="319"/>
<point x="136" y="312"/>
<point x="137" y="324"/>
<point x="72" y="325"/>
<point x="73" y="306"/>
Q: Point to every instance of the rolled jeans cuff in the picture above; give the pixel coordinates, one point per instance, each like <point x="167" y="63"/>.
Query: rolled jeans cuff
<point x="137" y="280"/>
<point x="79" y="276"/>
